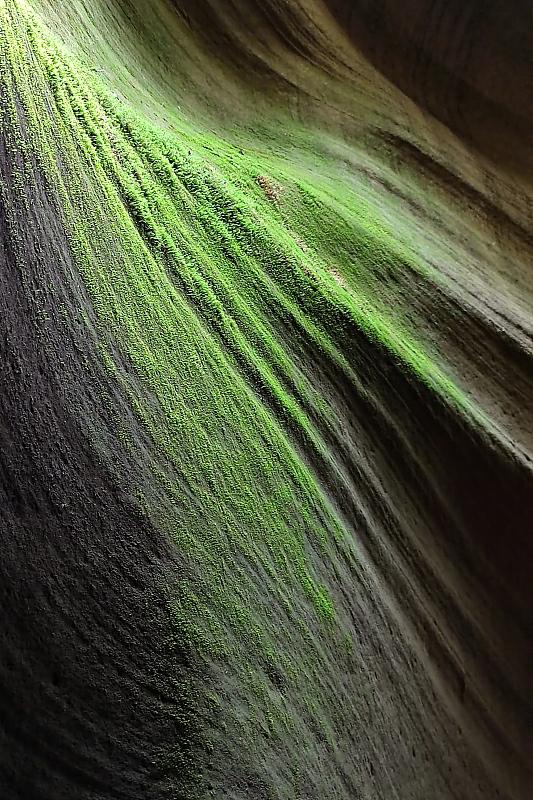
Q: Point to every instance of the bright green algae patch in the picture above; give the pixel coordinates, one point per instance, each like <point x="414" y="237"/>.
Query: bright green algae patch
<point x="207" y="266"/>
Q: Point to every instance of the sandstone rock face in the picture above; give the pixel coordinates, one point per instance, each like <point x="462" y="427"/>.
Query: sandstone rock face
<point x="266" y="409"/>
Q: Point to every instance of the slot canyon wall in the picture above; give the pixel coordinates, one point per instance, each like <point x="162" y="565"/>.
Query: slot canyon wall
<point x="266" y="478"/>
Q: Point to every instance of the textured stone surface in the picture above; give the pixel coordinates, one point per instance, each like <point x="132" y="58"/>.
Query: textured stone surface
<point x="356" y="180"/>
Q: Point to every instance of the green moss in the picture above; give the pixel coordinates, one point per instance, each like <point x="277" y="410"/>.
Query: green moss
<point x="212" y="294"/>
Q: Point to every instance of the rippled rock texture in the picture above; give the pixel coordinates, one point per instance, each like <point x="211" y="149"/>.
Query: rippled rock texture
<point x="266" y="415"/>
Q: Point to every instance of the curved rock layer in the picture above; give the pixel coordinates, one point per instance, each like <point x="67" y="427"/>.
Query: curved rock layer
<point x="267" y="399"/>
